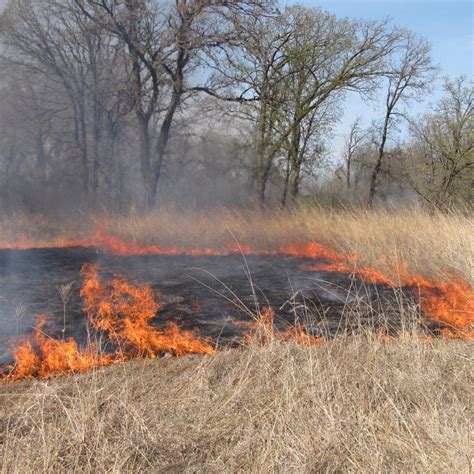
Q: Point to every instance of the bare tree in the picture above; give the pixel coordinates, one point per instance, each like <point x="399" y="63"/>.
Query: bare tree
<point x="305" y="150"/>
<point x="249" y="71"/>
<point x="53" y="39"/>
<point x="356" y="139"/>
<point x="442" y="153"/>
<point x="117" y="102"/>
<point x="164" y="43"/>
<point x="410" y="74"/>
<point x="310" y="57"/>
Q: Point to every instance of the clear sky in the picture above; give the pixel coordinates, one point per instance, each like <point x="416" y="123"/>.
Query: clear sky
<point x="446" y="24"/>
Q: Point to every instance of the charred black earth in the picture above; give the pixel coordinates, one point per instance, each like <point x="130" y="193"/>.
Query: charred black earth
<point x="205" y="294"/>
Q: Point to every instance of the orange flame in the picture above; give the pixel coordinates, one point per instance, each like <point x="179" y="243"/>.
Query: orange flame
<point x="299" y="335"/>
<point x="124" y="312"/>
<point x="42" y="356"/>
<point x="119" y="309"/>
<point x="263" y="331"/>
<point x="447" y="302"/>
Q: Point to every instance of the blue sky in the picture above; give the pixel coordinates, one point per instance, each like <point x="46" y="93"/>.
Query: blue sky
<point x="446" y="24"/>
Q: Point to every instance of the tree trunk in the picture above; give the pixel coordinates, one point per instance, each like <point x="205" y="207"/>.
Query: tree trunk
<point x="82" y="142"/>
<point x="96" y="136"/>
<point x="41" y="159"/>
<point x="287" y="182"/>
<point x="111" y="172"/>
<point x="261" y="187"/>
<point x="373" y="178"/>
<point x="295" y="160"/>
<point x="145" y="155"/>
<point x="378" y="164"/>
<point x="262" y="170"/>
<point x="348" y="172"/>
<point x="162" y="143"/>
<point x="295" y="182"/>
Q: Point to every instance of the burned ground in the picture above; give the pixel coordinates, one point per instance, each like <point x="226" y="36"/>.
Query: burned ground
<point x="210" y="295"/>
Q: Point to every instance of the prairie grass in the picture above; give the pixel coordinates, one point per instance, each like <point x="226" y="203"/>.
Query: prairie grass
<point x="359" y="402"/>
<point x="430" y="244"/>
<point x="353" y="404"/>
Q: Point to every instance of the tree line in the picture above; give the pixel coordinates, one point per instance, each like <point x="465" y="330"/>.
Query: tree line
<point x="132" y="102"/>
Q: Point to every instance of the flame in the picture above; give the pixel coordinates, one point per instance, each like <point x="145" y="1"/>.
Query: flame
<point x="117" y="246"/>
<point x="42" y="356"/>
<point x="299" y="335"/>
<point x="448" y="302"/>
<point x="116" y="308"/>
<point x="124" y="311"/>
<point x="263" y="331"/>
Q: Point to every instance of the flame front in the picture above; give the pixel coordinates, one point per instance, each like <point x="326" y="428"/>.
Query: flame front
<point x="123" y="312"/>
<point x="120" y="310"/>
<point x="448" y="302"/>
<point x="42" y="356"/>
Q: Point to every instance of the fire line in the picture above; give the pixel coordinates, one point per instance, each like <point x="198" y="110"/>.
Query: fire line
<point x="122" y="311"/>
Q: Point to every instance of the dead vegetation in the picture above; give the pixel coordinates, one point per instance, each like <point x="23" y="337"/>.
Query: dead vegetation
<point x="430" y="244"/>
<point x="353" y="404"/>
<point x="360" y="402"/>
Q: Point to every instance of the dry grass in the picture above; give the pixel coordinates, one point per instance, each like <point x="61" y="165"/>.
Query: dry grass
<point x="429" y="244"/>
<point x="353" y="404"/>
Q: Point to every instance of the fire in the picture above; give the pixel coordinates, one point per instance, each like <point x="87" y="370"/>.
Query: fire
<point x="120" y="310"/>
<point x="123" y="312"/>
<point x="263" y="331"/>
<point x="42" y="356"/>
<point x="117" y="246"/>
<point x="449" y="303"/>
<point x="299" y="335"/>
<point x="337" y="262"/>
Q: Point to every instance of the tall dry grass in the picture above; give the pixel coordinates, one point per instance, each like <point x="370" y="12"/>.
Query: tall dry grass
<point x="428" y="243"/>
<point x="355" y="404"/>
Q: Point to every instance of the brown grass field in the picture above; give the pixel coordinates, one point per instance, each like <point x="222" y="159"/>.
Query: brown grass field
<point x="430" y="244"/>
<point x="358" y="403"/>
